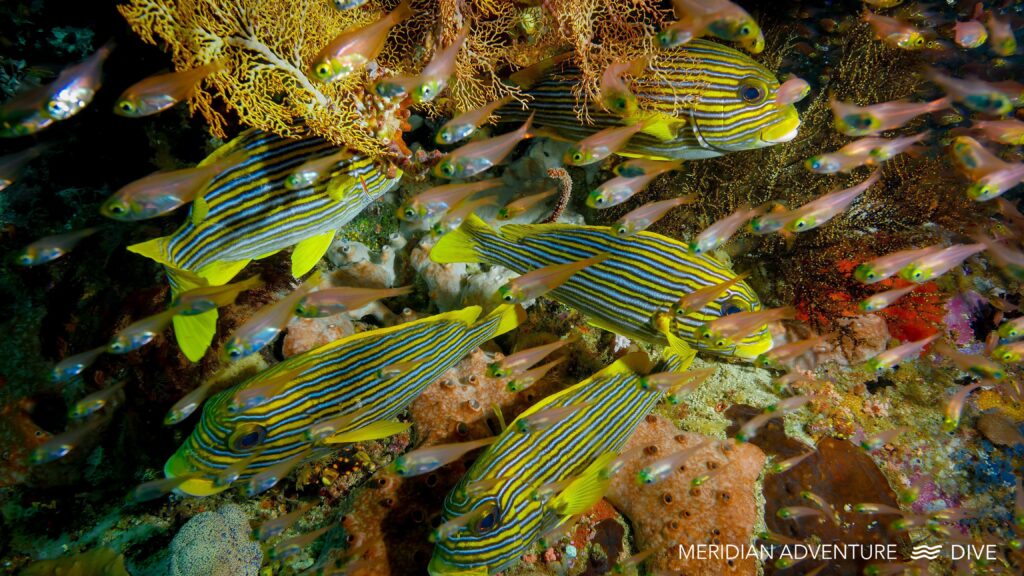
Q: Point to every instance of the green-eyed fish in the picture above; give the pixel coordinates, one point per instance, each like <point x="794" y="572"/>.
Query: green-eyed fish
<point x="141" y="332"/>
<point x="894" y="32"/>
<point x="471" y="159"/>
<point x="823" y="209"/>
<point x="332" y="381"/>
<point x="439" y="199"/>
<point x="331" y="301"/>
<point x="854" y="120"/>
<point x="934" y="264"/>
<point x="62" y="444"/>
<point x="204" y="298"/>
<point x="188" y="403"/>
<point x="621" y="188"/>
<point x="247" y="212"/>
<point x="665" y="466"/>
<point x="643" y="276"/>
<point x="51" y="248"/>
<point x="454" y="217"/>
<point x="540" y="281"/>
<point x="464" y="125"/>
<point x="955" y="408"/>
<point x="883" y="300"/>
<point x="976" y="95"/>
<point x="601" y="145"/>
<point x="975" y="160"/>
<point x="969" y="34"/>
<point x="524" y="359"/>
<point x="504" y="521"/>
<point x="158" y="93"/>
<point x="163" y="192"/>
<point x="1010" y="352"/>
<point x="423" y="460"/>
<point x="640" y="219"/>
<point x="38" y="108"/>
<point x="722" y="230"/>
<point x="74" y="365"/>
<point x="261" y="329"/>
<point x="706" y="100"/>
<point x="1009" y="131"/>
<point x="893" y="357"/>
<point x="886" y="266"/>
<point x="522" y="380"/>
<point x="719" y="18"/>
<point x="1004" y="43"/>
<point x="429" y="83"/>
<point x="781" y="356"/>
<point x="971" y="363"/>
<point x="314" y="170"/>
<point x="355" y="48"/>
<point x="524" y="204"/>
<point x="996" y="184"/>
<point x="792" y="91"/>
<point x="93" y="403"/>
<point x="1012" y="329"/>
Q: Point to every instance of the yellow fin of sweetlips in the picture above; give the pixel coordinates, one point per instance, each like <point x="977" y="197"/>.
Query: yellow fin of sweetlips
<point x="154" y="249"/>
<point x="195" y="333"/>
<point x="339" y="187"/>
<point x="632" y="363"/>
<point x="586" y="490"/>
<point x="267" y="255"/>
<point x="308" y="252"/>
<point x="512" y="315"/>
<point x="461" y="244"/>
<point x="517" y="232"/>
<point x="177" y="466"/>
<point x="220" y="273"/>
<point x="676" y="345"/>
<point x="664" y="127"/>
<point x="199" y="210"/>
<point x="374" y="431"/>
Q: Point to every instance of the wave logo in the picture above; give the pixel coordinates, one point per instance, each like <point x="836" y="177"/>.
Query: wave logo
<point x="925" y="552"/>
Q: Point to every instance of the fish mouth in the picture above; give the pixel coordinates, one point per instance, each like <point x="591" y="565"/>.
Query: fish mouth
<point x="177" y="466"/>
<point x="785" y="129"/>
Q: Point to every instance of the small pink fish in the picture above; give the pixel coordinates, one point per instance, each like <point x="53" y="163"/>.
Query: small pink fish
<point x="1009" y="258"/>
<point x="934" y="264"/>
<point x="881" y="268"/>
<point x="601" y="145"/>
<point x="423" y="460"/>
<point x="331" y="301"/>
<point x="892" y="357"/>
<point x="523" y="380"/>
<point x="542" y="280"/>
<point x="664" y="467"/>
<point x="203" y="298"/>
<point x="819" y="211"/>
<point x="268" y="477"/>
<point x="641" y="166"/>
<point x="873" y="508"/>
<point x="975" y="94"/>
<point x="996" y="184"/>
<point x="955" y="408"/>
<point x="969" y="34"/>
<point x="1009" y="131"/>
<point x="543" y="419"/>
<point x="353" y="49"/>
<point x="616" y="95"/>
<point x="163" y="192"/>
<point x="822" y="505"/>
<point x="454" y="217"/>
<point x="292" y="546"/>
<point x="792" y="91"/>
<point x="315" y="170"/>
<point x="141" y="332"/>
<point x="442" y="198"/>
<point x="476" y="157"/>
<point x="188" y="403"/>
<point x="883" y="300"/>
<point x="158" y="93"/>
<point x="741" y="324"/>
<point x="267" y="322"/>
<point x="895" y="32"/>
<point x="429" y="83"/>
<point x="522" y="205"/>
<point x="11" y="165"/>
<point x="695" y="301"/>
<point x="855" y="120"/>
<point x="72" y="366"/>
<point x="779" y="356"/>
<point x="853" y="155"/>
<point x="619" y="189"/>
<point x="1012" y="216"/>
<point x="789" y="463"/>
<point x="51" y="248"/>
<point x="798" y="512"/>
<point x="464" y="125"/>
<point x="523" y="359"/>
<point x="157" y="488"/>
<point x="668" y="381"/>
<point x="62" y="444"/>
<point x="93" y="403"/>
<point x="277" y="526"/>
<point x="1003" y="41"/>
<point x="676" y="395"/>
<point x="972" y="363"/>
<point x="722" y="230"/>
<point x="975" y="160"/>
<point x="643" y="217"/>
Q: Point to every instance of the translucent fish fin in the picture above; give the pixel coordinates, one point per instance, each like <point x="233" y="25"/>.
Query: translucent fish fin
<point x="511" y="315"/>
<point x="308" y="252"/>
<point x="195" y="333"/>
<point x="462" y="244"/>
<point x="154" y="249"/>
<point x="375" y="431"/>
<point x="199" y="210"/>
<point x="603" y="325"/>
<point x="586" y="490"/>
<point x="220" y="273"/>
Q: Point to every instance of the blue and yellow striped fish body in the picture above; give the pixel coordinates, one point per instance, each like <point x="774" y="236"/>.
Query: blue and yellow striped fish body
<point x="645" y="274"/>
<point x="615" y="406"/>
<point x="247" y="212"/>
<point x="709" y="98"/>
<point x="340" y="378"/>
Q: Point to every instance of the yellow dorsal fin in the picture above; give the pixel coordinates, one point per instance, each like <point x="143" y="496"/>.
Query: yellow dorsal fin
<point x="586" y="490"/>
<point x="308" y="252"/>
<point x="374" y="431"/>
<point x="460" y="245"/>
<point x="195" y="333"/>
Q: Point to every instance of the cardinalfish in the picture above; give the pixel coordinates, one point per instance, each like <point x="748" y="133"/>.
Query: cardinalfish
<point x="12" y="165"/>
<point x="782" y="356"/>
<point x="353" y="49"/>
<point x="1004" y="43"/>
<point x="642" y="218"/>
<point x="141" y="332"/>
<point x="220" y="238"/>
<point x="616" y="95"/>
<point x="883" y="300"/>
<point x="817" y="212"/>
<point x="423" y="460"/>
<point x="199" y="300"/>
<point x="439" y="199"/>
<point x="975" y="94"/>
<point x="74" y="365"/>
<point x="719" y="18"/>
<point x="187" y="404"/>
<point x="722" y="230"/>
<point x="864" y="151"/>
<point x="618" y="294"/>
<point x="1011" y="352"/>
<point x="723" y="332"/>
<point x="505" y="520"/>
<point x="777" y="410"/>
<point x="335" y="380"/>
<point x="601" y="145"/>
<point x="705" y="100"/>
<point x="158" y="93"/>
<point x="38" y="108"/>
<point x="972" y="363"/>
<point x="956" y="406"/>
<point x="975" y="160"/>
<point x="476" y="157"/>
<point x="792" y="91"/>
<point x="163" y="192"/>
<point x="969" y="34"/>
<point x="854" y="120"/>
<point x="522" y="380"/>
<point x="895" y="356"/>
<point x="996" y="184"/>
<point x="524" y="359"/>
<point x="895" y="32"/>
<point x="621" y="188"/>
<point x="666" y="466"/>
<point x="523" y="205"/>
<point x="97" y="401"/>
<point x="540" y="281"/>
<point x="314" y="170"/>
<point x="331" y="301"/>
<point x="454" y="217"/>
<point x="261" y="329"/>
<point x="51" y="248"/>
<point x="466" y="124"/>
<point x="931" y="265"/>
<point x="1009" y="131"/>
<point x="1012" y="329"/>
<point x="429" y="83"/>
<point x="889" y="265"/>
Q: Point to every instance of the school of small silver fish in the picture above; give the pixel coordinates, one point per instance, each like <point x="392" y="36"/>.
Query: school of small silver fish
<point x="672" y="298"/>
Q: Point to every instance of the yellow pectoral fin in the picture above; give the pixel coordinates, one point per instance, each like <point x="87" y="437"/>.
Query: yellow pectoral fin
<point x="199" y="210"/>
<point x="195" y="333"/>
<point x="152" y="249"/>
<point x="374" y="431"/>
<point x="662" y="126"/>
<point x="341" y="186"/>
<point x="308" y="252"/>
<point x="586" y="490"/>
<point x="220" y="273"/>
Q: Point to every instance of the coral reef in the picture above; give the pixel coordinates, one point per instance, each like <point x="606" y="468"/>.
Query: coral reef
<point x="216" y="543"/>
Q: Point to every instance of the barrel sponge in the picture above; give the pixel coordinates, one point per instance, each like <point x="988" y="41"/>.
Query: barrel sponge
<point x="216" y="544"/>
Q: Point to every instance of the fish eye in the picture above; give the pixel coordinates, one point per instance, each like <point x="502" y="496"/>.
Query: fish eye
<point x="126" y="106"/>
<point x="447" y="169"/>
<point x="577" y="157"/>
<point x="752" y="92"/>
<point x="24" y="259"/>
<point x="323" y="70"/>
<point x="619" y="103"/>
<point x="732" y="306"/>
<point x="621" y="230"/>
<point x="409" y="212"/>
<point x="599" y="200"/>
<point x="488" y="522"/>
<point x="247" y="437"/>
<point x="235" y="352"/>
<point x="745" y="30"/>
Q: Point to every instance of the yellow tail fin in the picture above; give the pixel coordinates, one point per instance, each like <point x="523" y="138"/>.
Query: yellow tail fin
<point x="462" y="244"/>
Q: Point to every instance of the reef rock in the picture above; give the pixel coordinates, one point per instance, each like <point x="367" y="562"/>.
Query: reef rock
<point x="721" y="511"/>
<point x="857" y="339"/>
<point x="305" y="334"/>
<point x="216" y="544"/>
